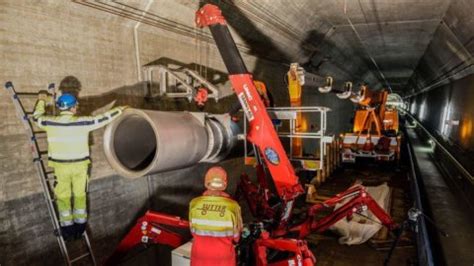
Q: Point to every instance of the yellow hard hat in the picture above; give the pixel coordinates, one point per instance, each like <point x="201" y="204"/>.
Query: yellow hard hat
<point x="216" y="178"/>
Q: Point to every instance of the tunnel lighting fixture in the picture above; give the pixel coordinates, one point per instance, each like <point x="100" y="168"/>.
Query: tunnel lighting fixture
<point x="453" y="122"/>
<point x="422" y="112"/>
<point x="413" y="107"/>
<point x="445" y="118"/>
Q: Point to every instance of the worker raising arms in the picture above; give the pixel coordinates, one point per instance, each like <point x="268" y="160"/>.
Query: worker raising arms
<point x="215" y="221"/>
<point x="68" y="154"/>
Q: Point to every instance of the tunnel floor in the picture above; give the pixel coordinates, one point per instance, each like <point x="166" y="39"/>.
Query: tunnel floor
<point x="325" y="246"/>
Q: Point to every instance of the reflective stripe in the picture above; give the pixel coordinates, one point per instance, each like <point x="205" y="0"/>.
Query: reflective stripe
<point x="69" y="139"/>
<point x="66" y="223"/>
<point x="107" y="117"/>
<point x="65" y="213"/>
<point x="213" y="233"/>
<point x="66" y="113"/>
<point x="80" y="220"/>
<point x="69" y="160"/>
<point x="67" y="124"/>
<point x="79" y="211"/>
<point x="67" y="154"/>
<point x="212" y="222"/>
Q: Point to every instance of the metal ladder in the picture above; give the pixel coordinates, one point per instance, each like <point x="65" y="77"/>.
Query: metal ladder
<point x="47" y="178"/>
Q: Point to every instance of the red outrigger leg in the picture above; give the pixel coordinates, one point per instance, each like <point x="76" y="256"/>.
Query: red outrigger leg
<point x="151" y="228"/>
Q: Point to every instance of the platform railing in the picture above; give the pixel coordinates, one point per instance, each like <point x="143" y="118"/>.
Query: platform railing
<point x="290" y="114"/>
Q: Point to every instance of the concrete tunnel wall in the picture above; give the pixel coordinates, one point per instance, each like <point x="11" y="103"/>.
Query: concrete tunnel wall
<point x="441" y="87"/>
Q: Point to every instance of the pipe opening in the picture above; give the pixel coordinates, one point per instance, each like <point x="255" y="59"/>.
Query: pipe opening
<point x="135" y="143"/>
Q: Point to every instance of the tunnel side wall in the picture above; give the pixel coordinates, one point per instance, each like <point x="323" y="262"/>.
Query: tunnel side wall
<point x="443" y="79"/>
<point x="443" y="89"/>
<point x="454" y="102"/>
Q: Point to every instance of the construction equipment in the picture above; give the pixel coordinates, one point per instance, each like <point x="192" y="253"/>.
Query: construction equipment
<point x="263" y="135"/>
<point x="375" y="130"/>
<point x="151" y="229"/>
<point x="345" y="93"/>
<point x="293" y="116"/>
<point x="295" y="79"/>
<point x="274" y="211"/>
<point x="320" y="158"/>
<point x="297" y="115"/>
<point x="180" y="83"/>
<point x="46" y="177"/>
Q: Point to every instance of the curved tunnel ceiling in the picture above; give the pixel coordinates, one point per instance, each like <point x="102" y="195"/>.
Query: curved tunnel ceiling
<point x="405" y="45"/>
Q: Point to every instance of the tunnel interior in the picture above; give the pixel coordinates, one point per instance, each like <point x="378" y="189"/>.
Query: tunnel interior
<point x="135" y="143"/>
<point x="421" y="50"/>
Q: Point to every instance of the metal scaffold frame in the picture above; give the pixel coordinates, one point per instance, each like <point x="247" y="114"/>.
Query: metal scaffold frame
<point x="290" y="114"/>
<point x="177" y="83"/>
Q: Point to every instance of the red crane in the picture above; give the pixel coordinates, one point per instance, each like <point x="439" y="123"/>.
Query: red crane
<point x="270" y="233"/>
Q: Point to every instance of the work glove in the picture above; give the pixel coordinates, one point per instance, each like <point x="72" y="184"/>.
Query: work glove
<point x="46" y="97"/>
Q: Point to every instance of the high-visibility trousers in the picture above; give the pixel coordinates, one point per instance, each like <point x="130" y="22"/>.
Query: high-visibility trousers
<point x="212" y="251"/>
<point x="71" y="181"/>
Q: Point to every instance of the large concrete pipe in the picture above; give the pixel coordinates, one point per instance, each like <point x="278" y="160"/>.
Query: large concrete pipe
<point x="142" y="142"/>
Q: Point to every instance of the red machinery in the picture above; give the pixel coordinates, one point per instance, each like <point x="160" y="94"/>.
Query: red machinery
<point x="152" y="228"/>
<point x="273" y="211"/>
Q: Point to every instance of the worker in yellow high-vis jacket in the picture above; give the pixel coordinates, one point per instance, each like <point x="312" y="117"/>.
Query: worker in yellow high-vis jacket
<point x="216" y="223"/>
<point x="68" y="154"/>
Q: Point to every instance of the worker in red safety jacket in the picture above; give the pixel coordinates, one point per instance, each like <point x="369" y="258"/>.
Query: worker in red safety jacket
<point x="215" y="222"/>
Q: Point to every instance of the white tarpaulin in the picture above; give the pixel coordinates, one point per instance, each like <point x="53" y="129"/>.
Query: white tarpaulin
<point x="360" y="229"/>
